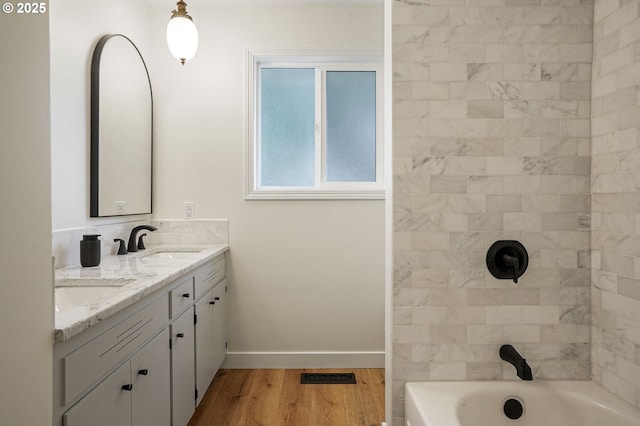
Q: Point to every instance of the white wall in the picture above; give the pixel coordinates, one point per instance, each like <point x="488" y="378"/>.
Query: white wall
<point x="25" y="257"/>
<point x="76" y="27"/>
<point x="305" y="275"/>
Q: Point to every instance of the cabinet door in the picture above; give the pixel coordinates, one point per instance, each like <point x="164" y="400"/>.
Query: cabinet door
<point x="183" y="368"/>
<point x="205" y="351"/>
<point x="151" y="396"/>
<point x="107" y="405"/>
<point x="219" y="324"/>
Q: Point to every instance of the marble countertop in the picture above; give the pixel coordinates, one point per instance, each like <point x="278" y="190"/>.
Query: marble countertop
<point x="146" y="273"/>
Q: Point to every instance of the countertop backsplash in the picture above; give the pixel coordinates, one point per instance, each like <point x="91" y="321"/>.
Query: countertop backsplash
<point x="66" y="242"/>
<point x="214" y="231"/>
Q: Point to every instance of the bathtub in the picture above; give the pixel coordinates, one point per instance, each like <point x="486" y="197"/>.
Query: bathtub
<point x="528" y="403"/>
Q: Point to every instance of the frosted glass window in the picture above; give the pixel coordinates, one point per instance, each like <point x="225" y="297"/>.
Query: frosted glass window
<point x="314" y="126"/>
<point x="351" y="126"/>
<point x="287" y="127"/>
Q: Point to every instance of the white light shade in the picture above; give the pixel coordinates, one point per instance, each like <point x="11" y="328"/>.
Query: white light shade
<point x="182" y="38"/>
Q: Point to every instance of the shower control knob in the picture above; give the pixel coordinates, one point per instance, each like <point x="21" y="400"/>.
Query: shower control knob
<point x="507" y="259"/>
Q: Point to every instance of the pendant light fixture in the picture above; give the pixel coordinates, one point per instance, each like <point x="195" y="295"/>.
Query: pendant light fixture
<point x="182" y="35"/>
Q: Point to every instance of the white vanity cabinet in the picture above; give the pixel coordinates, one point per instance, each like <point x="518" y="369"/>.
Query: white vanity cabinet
<point x="204" y="347"/>
<point x="151" y="380"/>
<point x="211" y="336"/>
<point x="136" y="393"/>
<point x="108" y="404"/>
<point x="150" y="363"/>
<point x="219" y="327"/>
<point x="211" y="325"/>
<point x="183" y="368"/>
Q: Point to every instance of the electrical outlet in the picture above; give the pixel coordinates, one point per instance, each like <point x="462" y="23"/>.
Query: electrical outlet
<point x="121" y="207"/>
<point x="189" y="210"/>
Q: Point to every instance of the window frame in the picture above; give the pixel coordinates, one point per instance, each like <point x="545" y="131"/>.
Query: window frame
<point x="322" y="62"/>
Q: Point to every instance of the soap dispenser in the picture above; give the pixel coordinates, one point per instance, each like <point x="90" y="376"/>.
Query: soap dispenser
<point x="90" y="250"/>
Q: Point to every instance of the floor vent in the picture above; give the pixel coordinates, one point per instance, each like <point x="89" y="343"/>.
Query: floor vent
<point x="328" y="379"/>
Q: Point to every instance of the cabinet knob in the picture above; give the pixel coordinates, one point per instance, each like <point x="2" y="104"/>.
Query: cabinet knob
<point x="180" y="335"/>
<point x="186" y="295"/>
<point x="127" y="387"/>
<point x="216" y="298"/>
<point x="212" y="303"/>
<point x="143" y="372"/>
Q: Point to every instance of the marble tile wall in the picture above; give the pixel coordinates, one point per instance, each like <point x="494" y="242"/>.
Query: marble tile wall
<point x="491" y="141"/>
<point x="615" y="239"/>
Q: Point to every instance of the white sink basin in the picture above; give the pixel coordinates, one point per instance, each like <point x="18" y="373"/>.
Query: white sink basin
<point x="171" y="255"/>
<point x="70" y="297"/>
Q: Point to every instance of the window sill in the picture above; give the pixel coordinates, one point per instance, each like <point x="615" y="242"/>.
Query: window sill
<point x="377" y="194"/>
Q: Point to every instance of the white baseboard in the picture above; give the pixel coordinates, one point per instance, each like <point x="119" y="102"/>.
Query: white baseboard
<point x="304" y="360"/>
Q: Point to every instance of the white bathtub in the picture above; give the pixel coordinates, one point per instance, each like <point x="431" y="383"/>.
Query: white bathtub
<point x="545" y="403"/>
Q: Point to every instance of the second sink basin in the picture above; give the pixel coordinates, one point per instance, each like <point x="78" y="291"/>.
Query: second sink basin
<point x="70" y="297"/>
<point x="171" y="255"/>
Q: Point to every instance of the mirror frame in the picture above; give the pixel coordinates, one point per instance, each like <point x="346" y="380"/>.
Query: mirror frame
<point x="95" y="129"/>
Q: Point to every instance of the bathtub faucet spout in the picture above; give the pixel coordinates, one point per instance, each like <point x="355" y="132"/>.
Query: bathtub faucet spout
<point x="508" y="353"/>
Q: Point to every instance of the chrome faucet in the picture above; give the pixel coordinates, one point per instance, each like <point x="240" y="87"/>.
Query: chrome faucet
<point x="509" y="354"/>
<point x="132" y="246"/>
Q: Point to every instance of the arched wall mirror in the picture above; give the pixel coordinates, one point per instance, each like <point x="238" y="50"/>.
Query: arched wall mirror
<point x="121" y="129"/>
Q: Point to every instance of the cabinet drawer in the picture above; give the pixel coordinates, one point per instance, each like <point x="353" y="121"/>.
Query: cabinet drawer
<point x="88" y="363"/>
<point x="181" y="297"/>
<point x="208" y="276"/>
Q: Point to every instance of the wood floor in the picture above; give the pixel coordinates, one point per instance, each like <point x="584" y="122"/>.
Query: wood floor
<point x="276" y="398"/>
